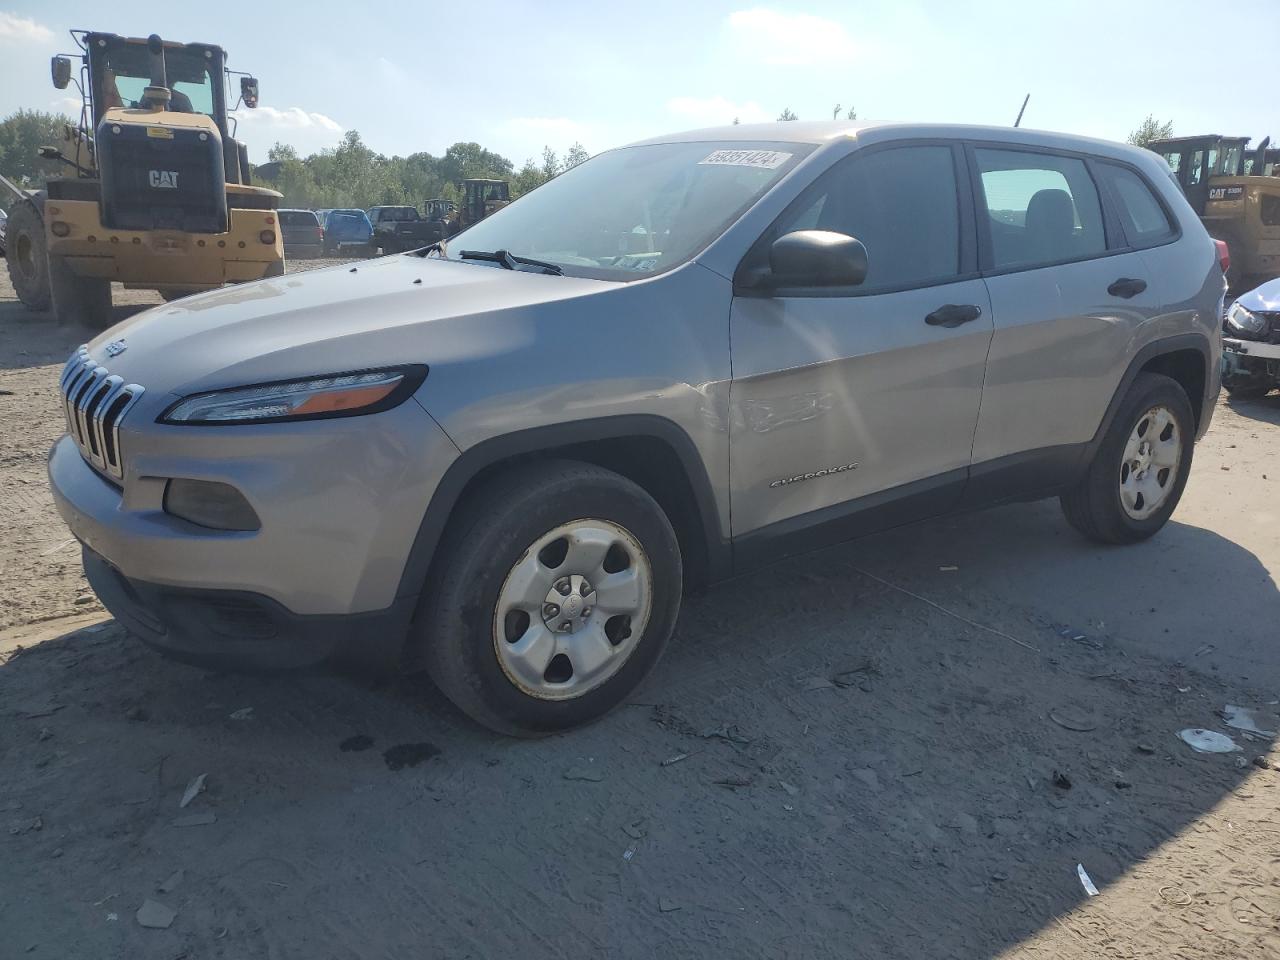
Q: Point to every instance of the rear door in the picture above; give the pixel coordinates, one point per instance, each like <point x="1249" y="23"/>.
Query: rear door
<point x="852" y="399"/>
<point x="1068" y="294"/>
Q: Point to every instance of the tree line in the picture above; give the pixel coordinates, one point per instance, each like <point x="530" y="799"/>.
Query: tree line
<point x="348" y="175"/>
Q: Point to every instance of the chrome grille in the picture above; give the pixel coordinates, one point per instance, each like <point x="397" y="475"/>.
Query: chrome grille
<point x="95" y="401"/>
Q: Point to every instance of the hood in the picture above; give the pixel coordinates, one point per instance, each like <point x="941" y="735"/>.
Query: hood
<point x="1265" y="298"/>
<point x="376" y="313"/>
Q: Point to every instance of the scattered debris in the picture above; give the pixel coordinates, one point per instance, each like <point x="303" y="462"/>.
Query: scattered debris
<point x="1207" y="741"/>
<point x="111" y="917"/>
<point x="1123" y="785"/>
<point x="355" y="744"/>
<point x="635" y="830"/>
<point x="791" y="789"/>
<point x="196" y="819"/>
<point x="1085" y="882"/>
<point x="673" y="760"/>
<point x="1184" y="689"/>
<point x="1144" y="748"/>
<point x="816" y="683"/>
<point x="948" y="568"/>
<point x="733" y="782"/>
<point x="1242" y="718"/>
<point x="155" y="915"/>
<point x="244" y="713"/>
<point x="44" y="712"/>
<point x="409" y="754"/>
<point x="1061" y="780"/>
<point x="588" y="774"/>
<point x="630" y="852"/>
<point x="999" y="877"/>
<point x="1207" y="648"/>
<point x="725" y="731"/>
<point x="171" y="884"/>
<point x="26" y="826"/>
<point x="668" y="719"/>
<point x="1072" y="719"/>
<point x="667" y="905"/>
<point x="856" y="676"/>
<point x="108" y="897"/>
<point x="44" y="734"/>
<point x="788" y="807"/>
<point x="1174" y="896"/>
<point x="1262" y="763"/>
<point x="194" y="789"/>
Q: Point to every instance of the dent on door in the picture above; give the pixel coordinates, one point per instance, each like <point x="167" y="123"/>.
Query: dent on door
<point x="837" y="398"/>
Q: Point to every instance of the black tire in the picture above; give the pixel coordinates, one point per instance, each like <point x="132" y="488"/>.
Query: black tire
<point x="486" y="537"/>
<point x="27" y="256"/>
<point x="1094" y="506"/>
<point x="76" y="299"/>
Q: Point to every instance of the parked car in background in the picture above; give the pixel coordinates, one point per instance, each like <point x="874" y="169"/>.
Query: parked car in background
<point x="401" y="228"/>
<point x="505" y="460"/>
<point x="302" y="233"/>
<point x="346" y="232"/>
<point x="1251" y="343"/>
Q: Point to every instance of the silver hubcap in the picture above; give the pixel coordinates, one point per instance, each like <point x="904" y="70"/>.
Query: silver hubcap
<point x="572" y="609"/>
<point x="1150" y="463"/>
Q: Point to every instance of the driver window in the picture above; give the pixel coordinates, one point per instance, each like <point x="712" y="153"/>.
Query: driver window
<point x="900" y="202"/>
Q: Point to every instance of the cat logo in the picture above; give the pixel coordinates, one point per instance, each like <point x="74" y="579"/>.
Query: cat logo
<point x="167" y="179"/>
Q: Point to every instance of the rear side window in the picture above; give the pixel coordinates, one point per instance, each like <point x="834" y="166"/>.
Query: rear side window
<point x="1041" y="208"/>
<point x="901" y="203"/>
<point x="1144" y="220"/>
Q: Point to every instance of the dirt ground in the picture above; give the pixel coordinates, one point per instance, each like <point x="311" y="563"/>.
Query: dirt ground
<point x="827" y="763"/>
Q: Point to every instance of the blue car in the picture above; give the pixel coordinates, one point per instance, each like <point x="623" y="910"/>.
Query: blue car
<point x="346" y="232"/>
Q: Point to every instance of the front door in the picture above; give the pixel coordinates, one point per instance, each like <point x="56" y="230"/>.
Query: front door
<point x="855" y="408"/>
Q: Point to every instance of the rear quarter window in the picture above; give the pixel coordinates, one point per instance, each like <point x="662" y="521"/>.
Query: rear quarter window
<point x="1142" y="216"/>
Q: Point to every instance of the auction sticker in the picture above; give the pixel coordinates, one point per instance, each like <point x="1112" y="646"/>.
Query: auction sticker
<point x="763" y="159"/>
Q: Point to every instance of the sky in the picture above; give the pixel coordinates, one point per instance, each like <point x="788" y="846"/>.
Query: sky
<point x="516" y="75"/>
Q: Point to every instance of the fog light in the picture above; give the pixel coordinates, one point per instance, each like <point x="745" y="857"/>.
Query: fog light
<point x="60" y="228"/>
<point x="208" y="503"/>
<point x="267" y="236"/>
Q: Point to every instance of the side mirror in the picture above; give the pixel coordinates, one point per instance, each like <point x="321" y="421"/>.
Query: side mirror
<point x="60" y="68"/>
<point x="249" y="91"/>
<point x="816" y="258"/>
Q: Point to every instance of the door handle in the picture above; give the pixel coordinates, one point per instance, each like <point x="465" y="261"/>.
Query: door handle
<point x="1127" y="287"/>
<point x="953" y="314"/>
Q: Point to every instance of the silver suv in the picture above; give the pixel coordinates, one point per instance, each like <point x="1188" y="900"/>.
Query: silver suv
<point x="505" y="458"/>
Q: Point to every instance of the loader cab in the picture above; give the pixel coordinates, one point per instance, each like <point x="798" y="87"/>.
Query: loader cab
<point x="1196" y="160"/>
<point x="121" y="69"/>
<point x="481" y="197"/>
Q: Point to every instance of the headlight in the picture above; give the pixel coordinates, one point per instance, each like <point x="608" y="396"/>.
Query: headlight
<point x="1240" y="319"/>
<point x="338" y="395"/>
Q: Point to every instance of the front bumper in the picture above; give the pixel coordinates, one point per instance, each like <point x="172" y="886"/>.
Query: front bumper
<point x="230" y="630"/>
<point x="1251" y="348"/>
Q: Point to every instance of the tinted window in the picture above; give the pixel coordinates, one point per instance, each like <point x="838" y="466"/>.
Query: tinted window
<point x="1141" y="215"/>
<point x="901" y="203"/>
<point x="298" y="218"/>
<point x="1041" y="208"/>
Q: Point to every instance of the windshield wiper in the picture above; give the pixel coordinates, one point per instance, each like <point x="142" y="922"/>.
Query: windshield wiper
<point x="509" y="260"/>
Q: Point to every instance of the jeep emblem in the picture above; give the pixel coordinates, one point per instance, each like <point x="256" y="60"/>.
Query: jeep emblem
<point x="115" y="348"/>
<point x="167" y="179"/>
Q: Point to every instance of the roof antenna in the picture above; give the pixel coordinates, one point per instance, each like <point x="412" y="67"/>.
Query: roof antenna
<point x="1023" y="110"/>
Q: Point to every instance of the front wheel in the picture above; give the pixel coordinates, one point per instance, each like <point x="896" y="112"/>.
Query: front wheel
<point x="1137" y="475"/>
<point x="27" y="256"/>
<point x="554" y="593"/>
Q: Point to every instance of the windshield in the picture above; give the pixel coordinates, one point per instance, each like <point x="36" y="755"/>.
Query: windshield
<point x="635" y="212"/>
<point x="127" y="72"/>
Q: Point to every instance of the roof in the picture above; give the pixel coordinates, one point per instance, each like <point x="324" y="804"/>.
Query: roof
<point x="1197" y="138"/>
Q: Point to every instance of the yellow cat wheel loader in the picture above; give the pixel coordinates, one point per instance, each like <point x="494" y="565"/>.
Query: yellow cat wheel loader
<point x="156" y="193"/>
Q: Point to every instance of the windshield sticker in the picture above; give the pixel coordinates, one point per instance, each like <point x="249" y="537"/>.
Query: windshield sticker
<point x="762" y="159"/>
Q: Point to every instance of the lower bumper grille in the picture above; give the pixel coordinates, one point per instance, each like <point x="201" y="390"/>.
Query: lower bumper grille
<point x="95" y="401"/>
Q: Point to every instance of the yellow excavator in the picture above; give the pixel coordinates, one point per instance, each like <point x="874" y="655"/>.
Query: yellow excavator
<point x="157" y="193"/>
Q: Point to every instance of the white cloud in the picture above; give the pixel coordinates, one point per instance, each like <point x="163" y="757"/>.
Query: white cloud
<point x="294" y="118"/>
<point x="68" y="105"/>
<point x="15" y="29"/>
<point x="790" y="39"/>
<point x="716" y="111"/>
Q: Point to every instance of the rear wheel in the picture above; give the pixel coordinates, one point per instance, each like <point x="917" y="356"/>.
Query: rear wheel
<point x="1136" y="477"/>
<point x="554" y="593"/>
<point x="27" y="256"/>
<point x="76" y="299"/>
